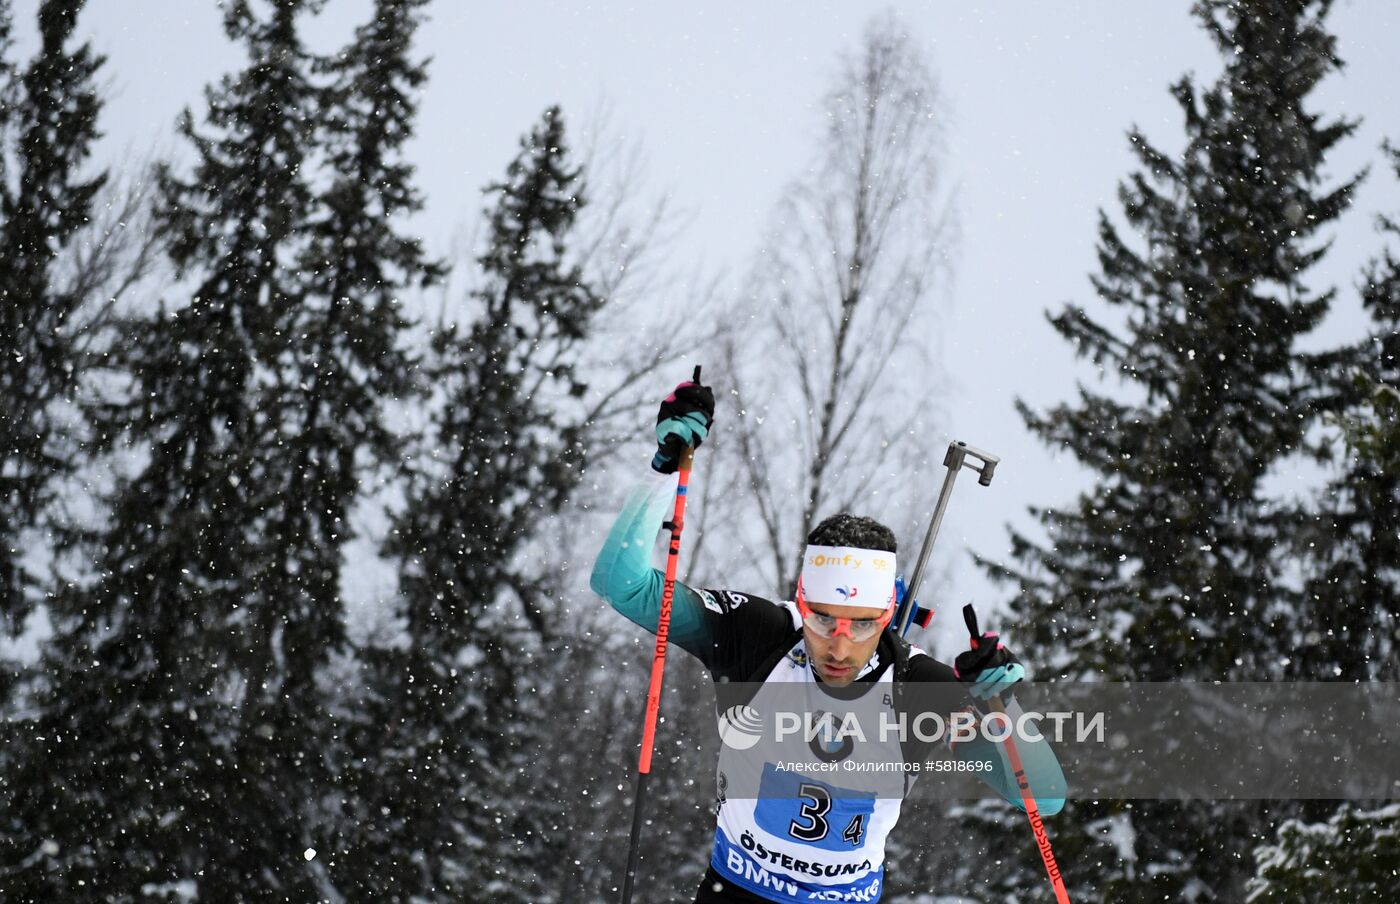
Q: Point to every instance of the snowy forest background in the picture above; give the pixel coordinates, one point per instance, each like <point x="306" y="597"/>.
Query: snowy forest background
<point x="297" y="517"/>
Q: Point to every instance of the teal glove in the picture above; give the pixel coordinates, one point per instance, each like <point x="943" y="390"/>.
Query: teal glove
<point x="683" y="422"/>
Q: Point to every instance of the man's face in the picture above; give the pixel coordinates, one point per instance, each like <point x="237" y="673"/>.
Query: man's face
<point x="838" y="660"/>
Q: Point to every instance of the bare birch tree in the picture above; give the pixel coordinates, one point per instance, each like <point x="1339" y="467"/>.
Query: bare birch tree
<point x="831" y="383"/>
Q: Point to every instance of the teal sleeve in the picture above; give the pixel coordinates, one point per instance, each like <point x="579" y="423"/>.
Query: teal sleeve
<point x="623" y="574"/>
<point x="1043" y="772"/>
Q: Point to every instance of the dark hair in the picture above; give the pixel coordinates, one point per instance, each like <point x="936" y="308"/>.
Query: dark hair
<point x="844" y="529"/>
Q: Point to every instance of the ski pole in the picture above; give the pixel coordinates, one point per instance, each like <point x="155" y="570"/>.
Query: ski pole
<point x="954" y="460"/>
<point x="1042" y="840"/>
<point x="658" y="665"/>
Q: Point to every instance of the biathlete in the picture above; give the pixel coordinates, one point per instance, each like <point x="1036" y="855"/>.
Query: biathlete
<point x="812" y="844"/>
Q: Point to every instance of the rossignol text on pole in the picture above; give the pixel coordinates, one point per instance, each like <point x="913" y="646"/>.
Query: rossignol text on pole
<point x="1018" y="771"/>
<point x="658" y="666"/>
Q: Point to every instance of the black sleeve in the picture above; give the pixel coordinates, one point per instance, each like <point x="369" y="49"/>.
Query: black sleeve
<point x="745" y="631"/>
<point x="929" y="686"/>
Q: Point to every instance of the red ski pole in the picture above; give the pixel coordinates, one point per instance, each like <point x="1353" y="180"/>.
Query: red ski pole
<point x="1042" y="840"/>
<point x="658" y="666"/>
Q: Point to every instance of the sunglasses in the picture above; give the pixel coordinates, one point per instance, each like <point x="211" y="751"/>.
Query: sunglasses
<point x="828" y="626"/>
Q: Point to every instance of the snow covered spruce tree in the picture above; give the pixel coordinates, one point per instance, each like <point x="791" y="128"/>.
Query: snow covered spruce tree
<point x="162" y="761"/>
<point x="1350" y="545"/>
<point x="446" y="727"/>
<point x="1171" y="566"/>
<point x="1353" y="856"/>
<point x="344" y="362"/>
<point x="48" y="122"/>
<point x="1350" y="542"/>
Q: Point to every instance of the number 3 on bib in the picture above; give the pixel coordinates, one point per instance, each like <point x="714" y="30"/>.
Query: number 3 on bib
<point x="811" y="824"/>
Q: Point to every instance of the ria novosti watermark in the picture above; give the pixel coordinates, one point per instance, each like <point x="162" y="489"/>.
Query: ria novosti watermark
<point x="927" y="727"/>
<point x="1275" y="740"/>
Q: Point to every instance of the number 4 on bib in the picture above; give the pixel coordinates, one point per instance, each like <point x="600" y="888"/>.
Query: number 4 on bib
<point x="855" y="830"/>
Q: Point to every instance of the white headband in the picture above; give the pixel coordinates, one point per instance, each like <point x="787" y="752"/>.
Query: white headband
<point x="848" y="576"/>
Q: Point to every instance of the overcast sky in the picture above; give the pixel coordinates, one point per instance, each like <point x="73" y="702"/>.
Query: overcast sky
<point x="725" y="97"/>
